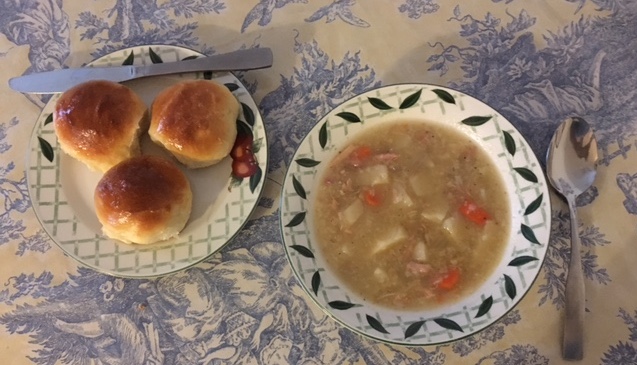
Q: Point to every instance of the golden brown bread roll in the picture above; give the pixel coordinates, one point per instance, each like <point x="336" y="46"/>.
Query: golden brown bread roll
<point x="195" y="121"/>
<point x="144" y="199"/>
<point x="99" y="123"/>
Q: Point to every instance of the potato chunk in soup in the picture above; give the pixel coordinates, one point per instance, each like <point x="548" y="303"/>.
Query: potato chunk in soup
<point x="412" y="225"/>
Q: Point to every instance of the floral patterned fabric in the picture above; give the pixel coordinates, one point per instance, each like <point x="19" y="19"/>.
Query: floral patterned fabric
<point x="536" y="62"/>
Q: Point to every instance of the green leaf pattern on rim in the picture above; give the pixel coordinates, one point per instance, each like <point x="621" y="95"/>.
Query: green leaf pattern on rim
<point x="248" y="114"/>
<point x="298" y="188"/>
<point x="154" y="57"/>
<point x="448" y="324"/>
<point x="534" y="205"/>
<point x="509" y="286"/>
<point x="509" y="142"/>
<point x="303" y="251"/>
<point x="350" y="117"/>
<point x="46" y="149"/>
<point x="445" y="96"/>
<point x="476" y="121"/>
<point x="129" y="60"/>
<point x="232" y="86"/>
<point x="485" y="307"/>
<point x="526" y="174"/>
<point x="411" y="100"/>
<point x="528" y="233"/>
<point x="297" y="219"/>
<point x="521" y="260"/>
<point x="323" y="135"/>
<point x="316" y="282"/>
<point x="307" y="162"/>
<point x="375" y="324"/>
<point x="413" y="328"/>
<point x="341" y="305"/>
<point x="48" y="119"/>
<point x="379" y="104"/>
<point x="255" y="179"/>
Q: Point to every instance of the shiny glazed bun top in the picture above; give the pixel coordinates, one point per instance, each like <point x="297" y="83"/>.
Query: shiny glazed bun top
<point x="99" y="123"/>
<point x="144" y="199"/>
<point x="195" y="121"/>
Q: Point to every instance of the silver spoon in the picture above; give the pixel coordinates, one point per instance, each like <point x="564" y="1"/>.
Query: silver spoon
<point x="571" y="165"/>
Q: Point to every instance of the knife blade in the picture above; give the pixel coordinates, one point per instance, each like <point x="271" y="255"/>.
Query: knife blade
<point x="62" y="80"/>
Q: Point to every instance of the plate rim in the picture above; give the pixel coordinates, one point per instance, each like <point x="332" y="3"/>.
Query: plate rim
<point x="331" y="313"/>
<point x="31" y="147"/>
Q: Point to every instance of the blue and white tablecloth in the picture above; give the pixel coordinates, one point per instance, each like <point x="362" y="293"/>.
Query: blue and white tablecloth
<point x="536" y="62"/>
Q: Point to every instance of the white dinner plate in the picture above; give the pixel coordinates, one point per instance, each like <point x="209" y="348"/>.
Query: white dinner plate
<point x="61" y="188"/>
<point x="526" y="189"/>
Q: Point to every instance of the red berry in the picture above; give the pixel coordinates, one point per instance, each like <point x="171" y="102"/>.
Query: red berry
<point x="245" y="168"/>
<point x="242" y="149"/>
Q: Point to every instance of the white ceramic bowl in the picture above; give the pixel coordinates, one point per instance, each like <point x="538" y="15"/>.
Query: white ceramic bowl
<point x="528" y="198"/>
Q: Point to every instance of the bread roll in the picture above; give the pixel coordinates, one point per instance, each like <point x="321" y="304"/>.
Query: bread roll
<point x="195" y="121"/>
<point x="143" y="200"/>
<point x="99" y="123"/>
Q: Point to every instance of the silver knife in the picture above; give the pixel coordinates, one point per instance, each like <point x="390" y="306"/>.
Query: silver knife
<point x="62" y="80"/>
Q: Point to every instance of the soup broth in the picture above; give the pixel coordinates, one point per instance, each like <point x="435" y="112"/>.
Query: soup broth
<point x="411" y="215"/>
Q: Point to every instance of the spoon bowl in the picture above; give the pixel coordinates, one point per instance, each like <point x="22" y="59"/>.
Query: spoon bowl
<point x="571" y="167"/>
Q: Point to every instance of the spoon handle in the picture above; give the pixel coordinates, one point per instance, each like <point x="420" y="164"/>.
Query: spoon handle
<point x="572" y="345"/>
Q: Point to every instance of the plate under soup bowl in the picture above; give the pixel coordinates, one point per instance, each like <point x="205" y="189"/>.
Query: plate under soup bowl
<point x="415" y="214"/>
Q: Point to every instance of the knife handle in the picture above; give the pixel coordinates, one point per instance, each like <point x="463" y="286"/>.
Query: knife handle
<point x="241" y="60"/>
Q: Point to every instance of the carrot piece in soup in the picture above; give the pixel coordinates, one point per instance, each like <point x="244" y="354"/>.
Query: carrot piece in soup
<point x="372" y="197"/>
<point x="360" y="155"/>
<point x="474" y="213"/>
<point x="450" y="279"/>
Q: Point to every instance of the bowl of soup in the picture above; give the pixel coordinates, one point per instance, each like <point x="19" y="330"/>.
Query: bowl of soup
<point x="415" y="214"/>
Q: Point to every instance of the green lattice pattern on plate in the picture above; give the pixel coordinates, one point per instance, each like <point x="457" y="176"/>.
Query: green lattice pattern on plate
<point x="66" y="212"/>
